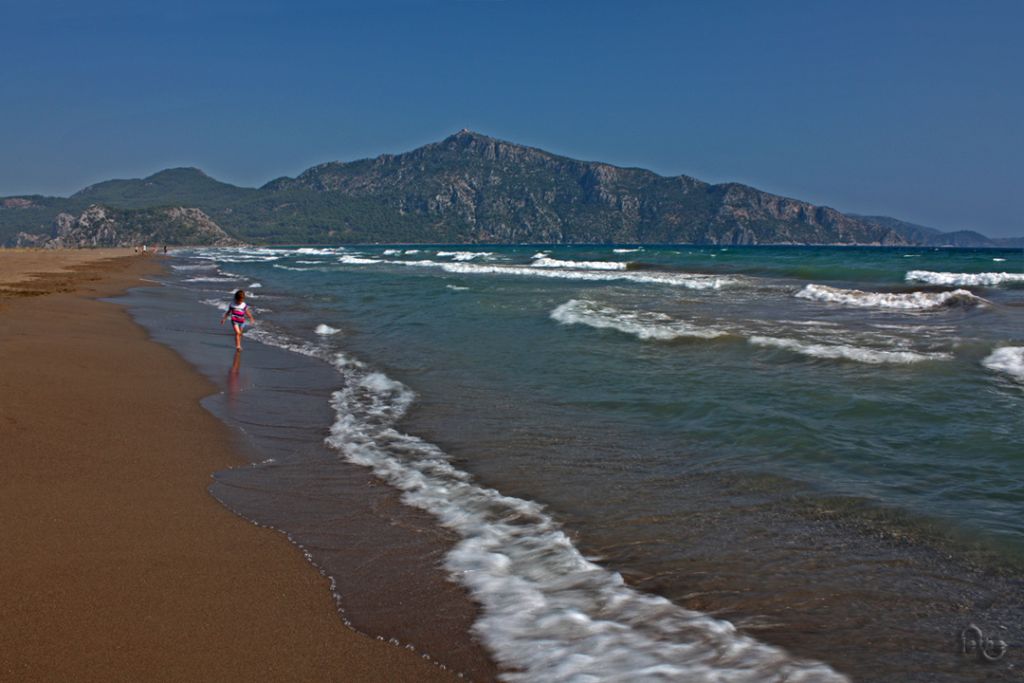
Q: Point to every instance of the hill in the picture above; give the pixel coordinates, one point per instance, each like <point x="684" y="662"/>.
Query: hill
<point x="471" y="188"/>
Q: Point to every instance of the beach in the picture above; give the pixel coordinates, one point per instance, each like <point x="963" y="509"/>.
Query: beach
<point x="118" y="564"/>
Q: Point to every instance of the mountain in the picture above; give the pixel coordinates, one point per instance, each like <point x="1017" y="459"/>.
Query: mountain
<point x="188" y="186"/>
<point x="471" y="188"/>
<point x="925" y="236"/>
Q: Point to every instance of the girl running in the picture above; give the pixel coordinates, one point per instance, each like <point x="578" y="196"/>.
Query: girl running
<point x="238" y="310"/>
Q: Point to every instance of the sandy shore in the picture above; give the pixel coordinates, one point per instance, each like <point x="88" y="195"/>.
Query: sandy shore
<point x="117" y="563"/>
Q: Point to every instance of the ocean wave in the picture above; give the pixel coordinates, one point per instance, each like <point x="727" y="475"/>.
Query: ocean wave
<point x="859" y="354"/>
<point x="457" y="288"/>
<point x="911" y="301"/>
<point x="627" y="251"/>
<point x="547" y="613"/>
<point x="1008" y="360"/>
<point x="358" y="260"/>
<point x="292" y="268"/>
<point x="546" y="262"/>
<point x="643" y="325"/>
<point x="963" y="279"/>
<point x="194" y="266"/>
<point x="466" y="255"/>
<point x="326" y="330"/>
<point x="316" y="251"/>
<point x="220" y="279"/>
<point x="687" y="280"/>
<point x="241" y="254"/>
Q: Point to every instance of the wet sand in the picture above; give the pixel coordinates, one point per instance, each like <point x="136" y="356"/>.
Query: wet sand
<point x="118" y="564"/>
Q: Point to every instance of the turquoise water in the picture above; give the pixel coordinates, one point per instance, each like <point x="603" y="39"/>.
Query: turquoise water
<point x="733" y="429"/>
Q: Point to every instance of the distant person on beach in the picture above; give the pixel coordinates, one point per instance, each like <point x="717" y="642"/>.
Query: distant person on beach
<point x="238" y="310"/>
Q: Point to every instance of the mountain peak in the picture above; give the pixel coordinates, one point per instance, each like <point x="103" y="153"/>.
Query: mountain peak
<point x="179" y="172"/>
<point x="467" y="134"/>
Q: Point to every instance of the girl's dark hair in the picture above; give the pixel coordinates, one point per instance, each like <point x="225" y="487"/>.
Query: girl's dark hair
<point x="239" y="296"/>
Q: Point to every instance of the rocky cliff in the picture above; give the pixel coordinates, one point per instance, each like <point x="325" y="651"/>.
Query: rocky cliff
<point x="101" y="226"/>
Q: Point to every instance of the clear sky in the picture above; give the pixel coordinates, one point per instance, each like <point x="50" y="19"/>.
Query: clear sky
<point x="911" y="109"/>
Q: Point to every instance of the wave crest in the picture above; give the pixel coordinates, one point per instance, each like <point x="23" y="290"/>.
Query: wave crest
<point x="909" y="301"/>
<point x="963" y="279"/>
<point x="645" y="326"/>
<point x="1008" y="360"/>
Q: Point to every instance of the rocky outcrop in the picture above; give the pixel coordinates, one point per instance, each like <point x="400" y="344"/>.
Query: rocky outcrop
<point x="101" y="226"/>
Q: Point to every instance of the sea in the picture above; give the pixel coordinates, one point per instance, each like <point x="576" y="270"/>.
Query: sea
<point x="633" y="463"/>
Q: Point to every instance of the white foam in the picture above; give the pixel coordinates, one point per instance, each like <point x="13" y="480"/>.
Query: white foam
<point x="859" y="354"/>
<point x="1008" y="360"/>
<point x="547" y="613"/>
<point x="255" y="285"/>
<point x="194" y="266"/>
<point x="293" y="268"/>
<point x="311" y="263"/>
<point x="358" y="260"/>
<point x="545" y="262"/>
<point x="963" y="279"/>
<point x="998" y="260"/>
<point x="626" y="251"/>
<point x="212" y="279"/>
<point x="687" y="280"/>
<point x="391" y="252"/>
<point x="326" y="330"/>
<point x="643" y="325"/>
<point x="914" y="301"/>
<point x="315" y="251"/>
<point x="466" y="255"/>
<point x="457" y="288"/>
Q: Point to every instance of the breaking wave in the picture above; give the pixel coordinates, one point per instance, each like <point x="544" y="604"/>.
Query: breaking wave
<point x="859" y="354"/>
<point x="963" y="279"/>
<point x="547" y="613"/>
<point x="909" y="301"/>
<point x="466" y="255"/>
<point x="546" y="262"/>
<point x="643" y="325"/>
<point x="687" y="280"/>
<point x="1008" y="360"/>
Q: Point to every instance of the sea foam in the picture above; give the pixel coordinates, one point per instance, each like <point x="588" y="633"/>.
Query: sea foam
<point x="1008" y="360"/>
<point x="546" y="262"/>
<point x="643" y="325"/>
<point x="859" y="354"/>
<point x="687" y="280"/>
<point x="910" y="301"/>
<point x="547" y="613"/>
<point x="963" y="279"/>
<point x="466" y="255"/>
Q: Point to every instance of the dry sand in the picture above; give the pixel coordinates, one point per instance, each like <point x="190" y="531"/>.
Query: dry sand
<point x="115" y="562"/>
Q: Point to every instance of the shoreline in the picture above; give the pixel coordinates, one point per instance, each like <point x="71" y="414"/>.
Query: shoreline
<point x="126" y="567"/>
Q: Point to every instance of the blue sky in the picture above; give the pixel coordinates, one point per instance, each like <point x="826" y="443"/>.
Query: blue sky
<point x="911" y="109"/>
